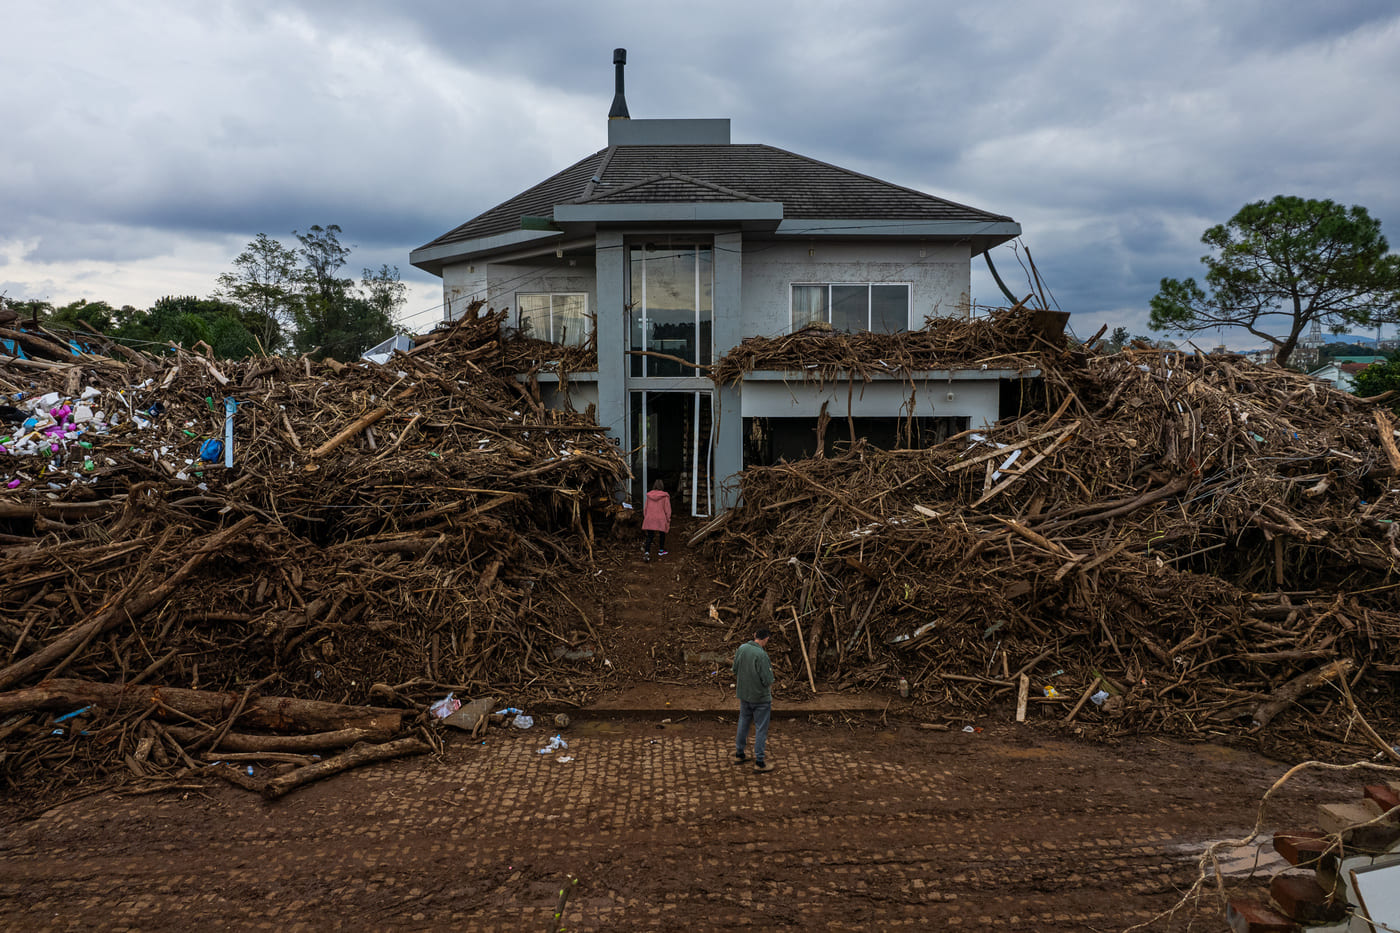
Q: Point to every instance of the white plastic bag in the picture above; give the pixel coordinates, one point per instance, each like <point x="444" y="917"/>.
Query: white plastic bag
<point x="445" y="707"/>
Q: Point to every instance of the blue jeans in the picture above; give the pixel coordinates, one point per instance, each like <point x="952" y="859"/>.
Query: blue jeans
<point x="755" y="714"/>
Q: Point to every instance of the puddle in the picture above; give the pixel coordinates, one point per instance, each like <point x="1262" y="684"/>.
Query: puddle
<point x="1258" y="858"/>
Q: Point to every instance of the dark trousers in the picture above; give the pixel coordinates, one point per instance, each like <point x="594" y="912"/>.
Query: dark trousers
<point x="757" y="715"/>
<point x="660" y="545"/>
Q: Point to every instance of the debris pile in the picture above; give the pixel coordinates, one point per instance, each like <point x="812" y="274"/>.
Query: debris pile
<point x="1008" y="340"/>
<point x="1198" y="543"/>
<point x="385" y="534"/>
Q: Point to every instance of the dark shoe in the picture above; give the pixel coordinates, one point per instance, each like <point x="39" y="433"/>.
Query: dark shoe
<point x="740" y="758"/>
<point x="662" y="553"/>
<point x="647" y="558"/>
<point x="761" y="767"/>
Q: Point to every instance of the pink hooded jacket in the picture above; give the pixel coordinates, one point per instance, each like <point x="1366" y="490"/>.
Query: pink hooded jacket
<point x="656" y="516"/>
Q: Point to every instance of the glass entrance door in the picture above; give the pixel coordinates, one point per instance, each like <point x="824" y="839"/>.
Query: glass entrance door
<point x="673" y="441"/>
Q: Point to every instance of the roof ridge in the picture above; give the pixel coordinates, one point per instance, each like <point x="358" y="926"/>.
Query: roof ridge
<point x="597" y="176"/>
<point x="665" y="176"/>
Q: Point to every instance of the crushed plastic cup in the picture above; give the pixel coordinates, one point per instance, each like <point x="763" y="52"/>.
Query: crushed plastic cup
<point x="968" y="729"/>
<point x="1098" y="698"/>
<point x="522" y="722"/>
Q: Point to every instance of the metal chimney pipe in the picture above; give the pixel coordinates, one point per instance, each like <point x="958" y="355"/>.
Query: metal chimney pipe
<point x="619" y="103"/>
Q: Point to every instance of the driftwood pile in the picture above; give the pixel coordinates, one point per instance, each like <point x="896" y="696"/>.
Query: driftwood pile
<point x="1008" y="341"/>
<point x="387" y="534"/>
<point x="1201" y="544"/>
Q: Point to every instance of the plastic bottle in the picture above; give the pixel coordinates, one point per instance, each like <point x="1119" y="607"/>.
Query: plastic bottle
<point x="903" y="687"/>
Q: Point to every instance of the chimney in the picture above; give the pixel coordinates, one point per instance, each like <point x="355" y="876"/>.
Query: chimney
<point x="619" y="103"/>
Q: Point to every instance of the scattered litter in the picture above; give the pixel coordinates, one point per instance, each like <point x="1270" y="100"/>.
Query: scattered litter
<point x="555" y="744"/>
<point x="445" y="707"/>
<point x="1098" y="698"/>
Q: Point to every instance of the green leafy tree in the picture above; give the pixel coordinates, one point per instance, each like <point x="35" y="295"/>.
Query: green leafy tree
<point x="1379" y="378"/>
<point x="264" y="284"/>
<point x="96" y="317"/>
<point x="384" y="291"/>
<point x="333" y="317"/>
<point x="1277" y="266"/>
<point x="186" y="320"/>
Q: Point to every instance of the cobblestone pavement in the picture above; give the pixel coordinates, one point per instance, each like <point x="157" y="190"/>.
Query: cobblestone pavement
<point x="859" y="828"/>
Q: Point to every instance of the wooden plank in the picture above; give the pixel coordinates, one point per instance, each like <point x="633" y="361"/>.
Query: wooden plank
<point x="1004" y="451"/>
<point x="1022" y="697"/>
<point x="1054" y="446"/>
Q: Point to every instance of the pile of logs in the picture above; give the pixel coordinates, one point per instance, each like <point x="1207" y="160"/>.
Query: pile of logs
<point x="1212" y="544"/>
<point x="386" y="534"/>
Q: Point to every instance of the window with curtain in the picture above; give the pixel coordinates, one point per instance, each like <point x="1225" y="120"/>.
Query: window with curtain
<point x="852" y="306"/>
<point x="558" y="317"/>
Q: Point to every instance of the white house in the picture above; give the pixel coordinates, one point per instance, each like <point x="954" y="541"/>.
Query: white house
<point x="673" y="243"/>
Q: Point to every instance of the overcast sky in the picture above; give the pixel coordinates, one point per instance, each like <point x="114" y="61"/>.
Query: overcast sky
<point x="145" y="143"/>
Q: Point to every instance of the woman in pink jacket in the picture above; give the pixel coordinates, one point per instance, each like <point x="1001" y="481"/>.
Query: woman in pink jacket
<point x="656" y="519"/>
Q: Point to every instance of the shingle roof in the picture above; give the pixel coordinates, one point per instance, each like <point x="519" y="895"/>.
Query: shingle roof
<point x="807" y="188"/>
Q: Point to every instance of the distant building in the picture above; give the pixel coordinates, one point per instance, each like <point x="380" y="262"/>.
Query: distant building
<point x="1342" y="375"/>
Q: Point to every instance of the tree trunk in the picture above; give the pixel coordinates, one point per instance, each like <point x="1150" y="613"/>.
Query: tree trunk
<point x="361" y="755"/>
<point x="313" y="742"/>
<point x="278" y="714"/>
<point x="1286" y="695"/>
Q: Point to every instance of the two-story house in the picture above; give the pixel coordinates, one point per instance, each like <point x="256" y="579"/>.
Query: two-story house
<point x="672" y="244"/>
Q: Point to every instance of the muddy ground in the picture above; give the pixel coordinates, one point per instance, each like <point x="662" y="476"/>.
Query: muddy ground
<point x="869" y="822"/>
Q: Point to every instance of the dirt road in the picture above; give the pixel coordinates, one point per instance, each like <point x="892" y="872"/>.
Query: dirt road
<point x="858" y="829"/>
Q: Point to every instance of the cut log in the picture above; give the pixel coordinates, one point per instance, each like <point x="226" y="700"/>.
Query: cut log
<point x="281" y="714"/>
<point x="291" y="744"/>
<point x="360" y="755"/>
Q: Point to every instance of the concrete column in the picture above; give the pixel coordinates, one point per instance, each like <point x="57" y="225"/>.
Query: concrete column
<point x="728" y="331"/>
<point x="611" y="260"/>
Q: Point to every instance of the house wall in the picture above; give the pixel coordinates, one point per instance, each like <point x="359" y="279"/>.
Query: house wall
<point x="498" y="283"/>
<point x="941" y="279"/>
<point x="975" y="399"/>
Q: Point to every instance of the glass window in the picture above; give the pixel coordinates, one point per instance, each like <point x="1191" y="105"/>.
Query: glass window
<point x="558" y="318"/>
<point x="889" y="308"/>
<point x="808" y="305"/>
<point x="671" y="308"/>
<point x="850" y="307"/>
<point x="853" y="307"/>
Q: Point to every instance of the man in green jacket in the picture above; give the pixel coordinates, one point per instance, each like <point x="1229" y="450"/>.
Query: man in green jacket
<point x="753" y="680"/>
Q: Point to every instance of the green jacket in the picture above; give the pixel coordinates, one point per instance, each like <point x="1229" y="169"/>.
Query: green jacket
<point x="753" y="674"/>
